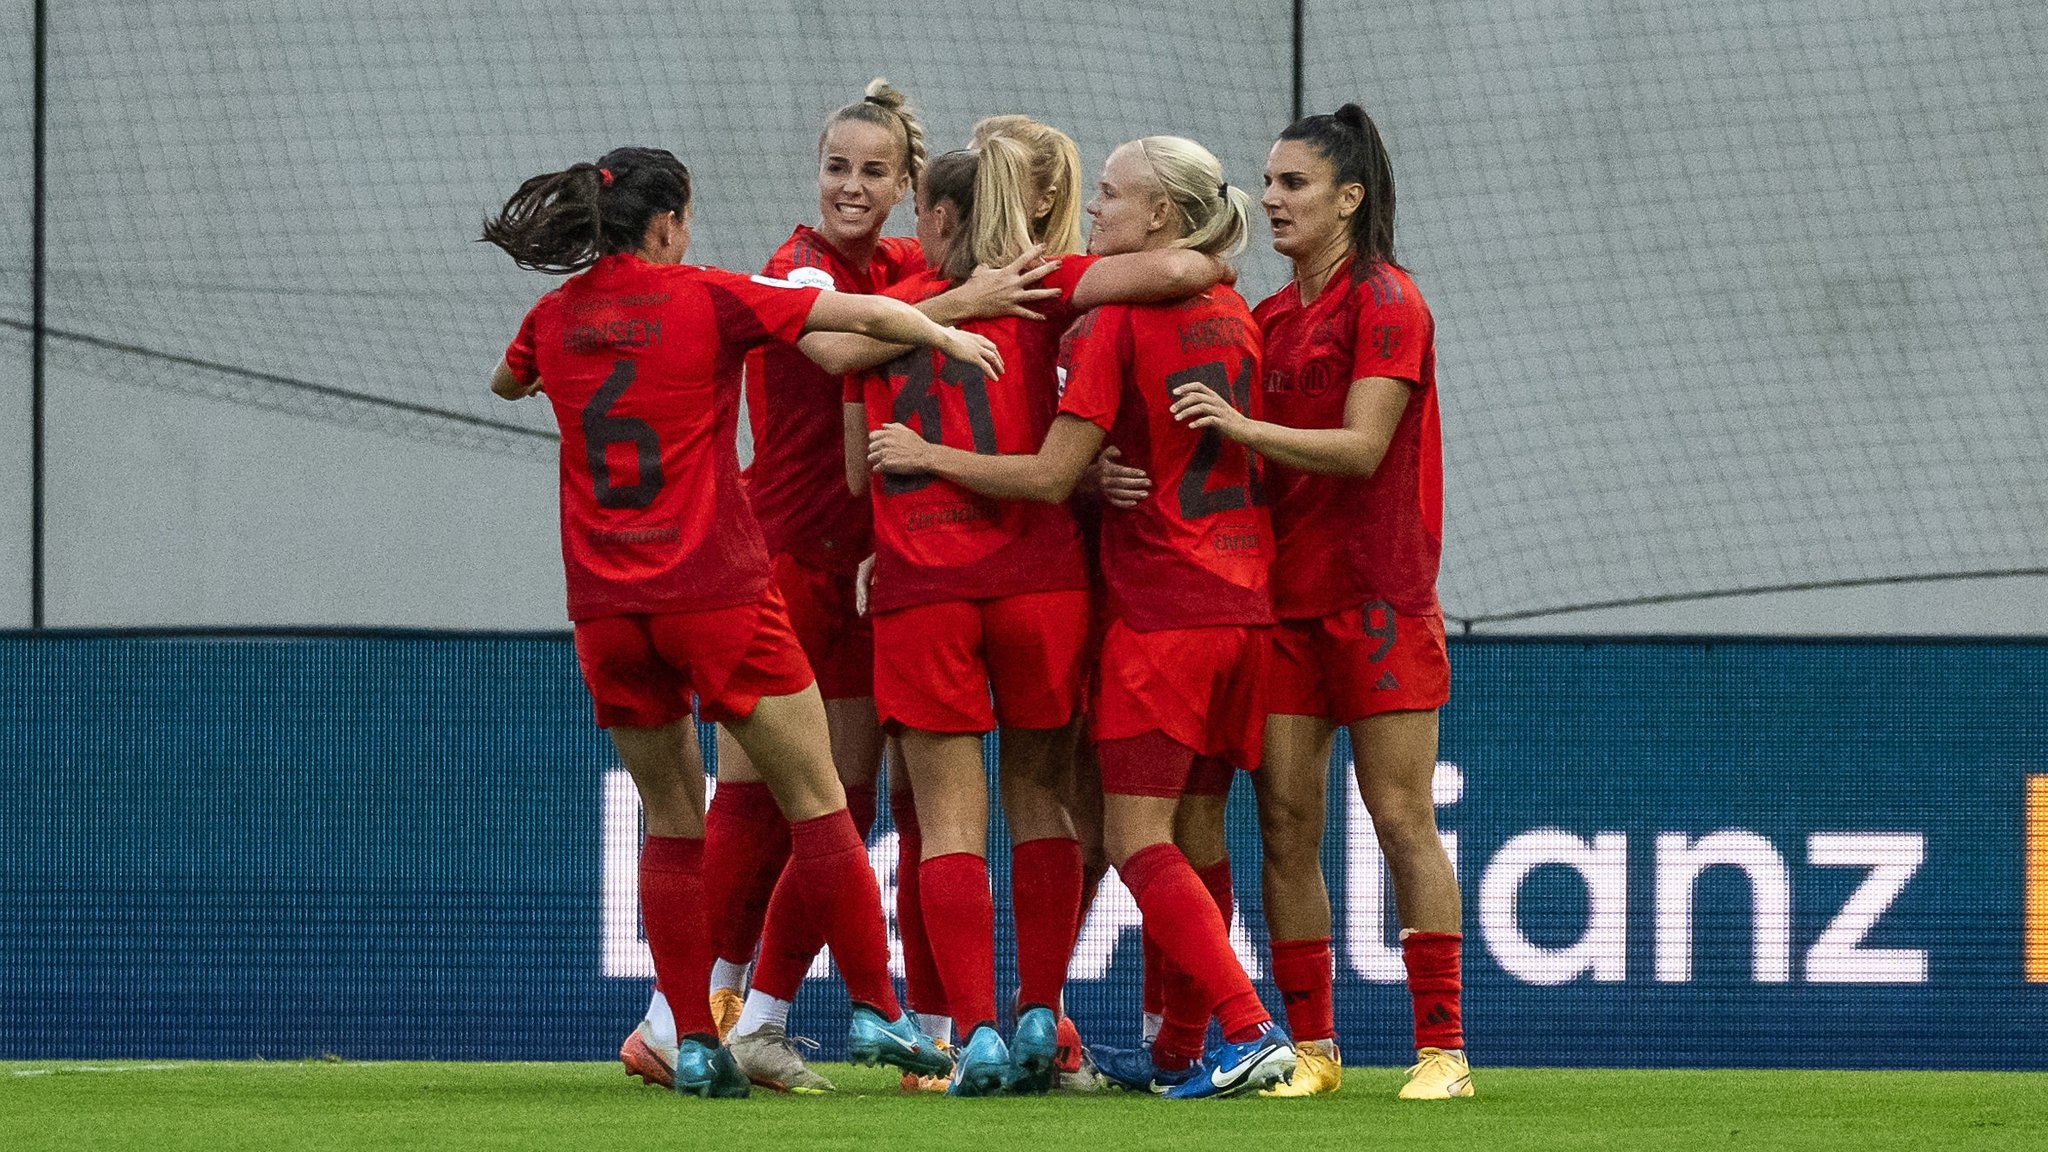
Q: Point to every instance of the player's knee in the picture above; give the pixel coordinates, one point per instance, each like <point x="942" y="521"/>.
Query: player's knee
<point x="1291" y="833"/>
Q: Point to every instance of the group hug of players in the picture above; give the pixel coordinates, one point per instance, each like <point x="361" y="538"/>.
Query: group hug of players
<point x="1092" y="501"/>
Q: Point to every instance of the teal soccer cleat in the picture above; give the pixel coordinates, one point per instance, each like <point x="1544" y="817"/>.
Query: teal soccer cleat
<point x="873" y="1040"/>
<point x="983" y="1068"/>
<point x="708" y="1070"/>
<point x="1034" y="1048"/>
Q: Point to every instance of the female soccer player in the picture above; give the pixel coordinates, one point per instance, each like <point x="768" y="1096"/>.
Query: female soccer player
<point x="870" y="153"/>
<point x="1357" y="484"/>
<point x="669" y="583"/>
<point x="972" y="595"/>
<point x="1185" y="573"/>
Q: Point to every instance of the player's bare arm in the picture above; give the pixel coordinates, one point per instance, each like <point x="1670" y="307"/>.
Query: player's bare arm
<point x="1143" y="277"/>
<point x="1371" y="412"/>
<point x="986" y="294"/>
<point x="855" y="438"/>
<point x="1048" y="474"/>
<point x="505" y="383"/>
<point x="892" y="320"/>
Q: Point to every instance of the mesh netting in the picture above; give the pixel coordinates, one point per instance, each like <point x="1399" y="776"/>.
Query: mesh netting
<point x="1730" y="296"/>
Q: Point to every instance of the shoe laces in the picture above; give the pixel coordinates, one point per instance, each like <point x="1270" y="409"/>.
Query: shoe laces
<point x="1428" y="1057"/>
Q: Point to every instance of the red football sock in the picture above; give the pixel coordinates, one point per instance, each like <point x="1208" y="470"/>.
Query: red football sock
<point x="920" y="971"/>
<point x="829" y="866"/>
<point x="1182" y="914"/>
<point x="1184" y="1018"/>
<point x="1433" y="984"/>
<point x="960" y="918"/>
<point x="860" y="804"/>
<point x="1045" y="894"/>
<point x="746" y="843"/>
<point x="1301" y="970"/>
<point x="1183" y="1013"/>
<point x="1153" y="997"/>
<point x="672" y="910"/>
<point x="790" y="941"/>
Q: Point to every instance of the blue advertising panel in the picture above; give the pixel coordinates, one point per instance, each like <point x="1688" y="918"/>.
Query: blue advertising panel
<point x="1672" y="853"/>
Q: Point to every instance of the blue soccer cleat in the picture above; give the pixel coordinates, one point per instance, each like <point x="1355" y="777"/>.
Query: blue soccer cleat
<point x="1132" y="1069"/>
<point x="873" y="1040"/>
<point x="1235" y="1069"/>
<point x="708" y="1070"/>
<point x="1034" y="1049"/>
<point x="983" y="1066"/>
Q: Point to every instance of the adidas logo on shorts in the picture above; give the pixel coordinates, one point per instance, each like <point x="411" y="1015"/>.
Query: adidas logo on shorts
<point x="1387" y="683"/>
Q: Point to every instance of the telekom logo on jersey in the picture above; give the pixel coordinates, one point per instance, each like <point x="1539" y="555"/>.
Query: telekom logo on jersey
<point x="1367" y="933"/>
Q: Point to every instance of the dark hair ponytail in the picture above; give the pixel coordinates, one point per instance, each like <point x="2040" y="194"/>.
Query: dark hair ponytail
<point x="560" y="222"/>
<point x="1350" y="141"/>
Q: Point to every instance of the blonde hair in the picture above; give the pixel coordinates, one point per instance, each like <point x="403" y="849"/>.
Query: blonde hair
<point x="883" y="105"/>
<point x="996" y="228"/>
<point x="1055" y="175"/>
<point x="1216" y="217"/>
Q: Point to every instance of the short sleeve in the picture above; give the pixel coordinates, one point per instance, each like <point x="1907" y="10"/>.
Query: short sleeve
<point x="1393" y="329"/>
<point x="753" y="310"/>
<point x="520" y="355"/>
<point x="902" y="258"/>
<point x="853" y="388"/>
<point x="1095" y="356"/>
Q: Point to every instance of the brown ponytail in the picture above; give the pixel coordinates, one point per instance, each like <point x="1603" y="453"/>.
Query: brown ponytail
<point x="561" y="222"/>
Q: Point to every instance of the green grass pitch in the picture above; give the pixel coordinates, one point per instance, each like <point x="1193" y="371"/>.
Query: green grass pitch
<point x="131" y="1105"/>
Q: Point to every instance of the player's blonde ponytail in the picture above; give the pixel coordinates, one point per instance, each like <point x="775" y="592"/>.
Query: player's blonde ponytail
<point x="1215" y="216"/>
<point x="998" y="225"/>
<point x="1055" y="178"/>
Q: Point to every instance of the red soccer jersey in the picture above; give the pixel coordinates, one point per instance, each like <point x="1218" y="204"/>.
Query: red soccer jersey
<point x="1344" y="541"/>
<point x="1196" y="552"/>
<point x="935" y="540"/>
<point x="797" y="483"/>
<point x="642" y="364"/>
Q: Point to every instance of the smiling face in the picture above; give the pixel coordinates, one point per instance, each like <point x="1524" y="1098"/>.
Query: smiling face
<point x="1309" y="212"/>
<point x="1129" y="213"/>
<point x="861" y="176"/>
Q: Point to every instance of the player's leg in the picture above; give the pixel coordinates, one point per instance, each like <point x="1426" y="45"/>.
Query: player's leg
<point x="926" y="992"/>
<point x="790" y="937"/>
<point x="950" y="789"/>
<point x="1292" y="786"/>
<point x="644" y="704"/>
<point x="757" y="683"/>
<point x="1142" y="778"/>
<point x="1198" y="830"/>
<point x="746" y="845"/>
<point x="1036" y="647"/>
<point x="1396" y="757"/>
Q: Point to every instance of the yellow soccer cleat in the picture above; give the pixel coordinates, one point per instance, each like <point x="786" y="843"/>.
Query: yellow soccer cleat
<point x="1437" y="1075"/>
<point x="725" y="1009"/>
<point x="1316" y="1073"/>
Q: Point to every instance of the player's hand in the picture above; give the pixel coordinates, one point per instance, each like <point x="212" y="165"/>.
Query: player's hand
<point x="1198" y="406"/>
<point x="1120" y="485"/>
<point x="975" y="349"/>
<point x="991" y="292"/>
<point x="895" y="449"/>
<point x="862" y="577"/>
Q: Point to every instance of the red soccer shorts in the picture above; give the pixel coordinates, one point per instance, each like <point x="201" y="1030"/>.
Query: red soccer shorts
<point x="1201" y="687"/>
<point x="837" y="640"/>
<point x="641" y="669"/>
<point x="936" y="664"/>
<point x="1358" y="663"/>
